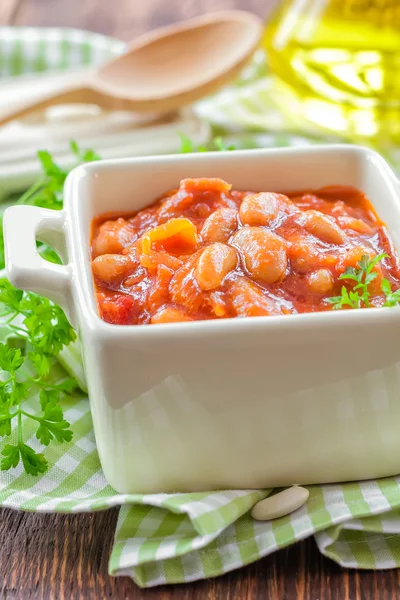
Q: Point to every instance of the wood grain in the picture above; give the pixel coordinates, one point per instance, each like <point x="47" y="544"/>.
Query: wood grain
<point x="8" y="10"/>
<point x="65" y="557"/>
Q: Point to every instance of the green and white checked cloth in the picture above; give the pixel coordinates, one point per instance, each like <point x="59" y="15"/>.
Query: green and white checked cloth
<point x="178" y="538"/>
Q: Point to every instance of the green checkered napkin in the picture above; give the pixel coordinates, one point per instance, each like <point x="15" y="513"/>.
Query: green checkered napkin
<point x="182" y="537"/>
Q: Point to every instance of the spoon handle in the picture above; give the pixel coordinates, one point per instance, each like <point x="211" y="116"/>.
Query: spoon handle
<point x="64" y="90"/>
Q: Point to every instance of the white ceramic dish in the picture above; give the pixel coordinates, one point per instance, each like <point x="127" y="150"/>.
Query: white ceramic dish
<point x="243" y="403"/>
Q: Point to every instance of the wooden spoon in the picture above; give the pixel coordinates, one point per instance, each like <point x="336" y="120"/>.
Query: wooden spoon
<point x="162" y="70"/>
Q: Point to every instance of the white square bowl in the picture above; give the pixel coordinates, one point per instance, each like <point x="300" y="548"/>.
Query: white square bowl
<point x="236" y="403"/>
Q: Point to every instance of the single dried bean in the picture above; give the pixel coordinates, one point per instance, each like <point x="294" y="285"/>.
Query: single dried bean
<point x="280" y="504"/>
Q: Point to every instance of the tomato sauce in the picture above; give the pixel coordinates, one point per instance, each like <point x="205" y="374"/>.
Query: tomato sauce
<point x="205" y="251"/>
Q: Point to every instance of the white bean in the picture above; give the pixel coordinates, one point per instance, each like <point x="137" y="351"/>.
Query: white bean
<point x="280" y="504"/>
<point x="170" y="314"/>
<point x="303" y="256"/>
<point x="322" y="226"/>
<point x="215" y="262"/>
<point x="320" y="281"/>
<point x="264" y="253"/>
<point x="248" y="300"/>
<point x="219" y="226"/>
<point x="112" y="237"/>
<point x="263" y="208"/>
<point x="357" y="225"/>
<point x="113" y="267"/>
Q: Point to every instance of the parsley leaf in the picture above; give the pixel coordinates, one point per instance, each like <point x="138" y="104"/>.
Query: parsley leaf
<point x="11" y="457"/>
<point x="51" y="429"/>
<point x="392" y="298"/>
<point x="10" y="358"/>
<point x="350" y="299"/>
<point x="5" y="422"/>
<point x="217" y="143"/>
<point x="41" y="362"/>
<point x="186" y="144"/>
<point x="9" y="295"/>
<point x="33" y="462"/>
<point x="220" y="144"/>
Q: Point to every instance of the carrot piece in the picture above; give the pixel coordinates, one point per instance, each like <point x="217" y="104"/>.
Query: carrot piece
<point x="176" y="236"/>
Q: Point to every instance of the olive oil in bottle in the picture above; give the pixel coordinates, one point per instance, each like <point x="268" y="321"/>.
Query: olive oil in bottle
<point x="337" y="64"/>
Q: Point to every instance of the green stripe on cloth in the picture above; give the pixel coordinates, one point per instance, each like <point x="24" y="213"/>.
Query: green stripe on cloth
<point x="65" y="48"/>
<point x="177" y="538"/>
<point x="246" y="542"/>
<point x="86" y="53"/>
<point x="17" y="65"/>
<point x="40" y="62"/>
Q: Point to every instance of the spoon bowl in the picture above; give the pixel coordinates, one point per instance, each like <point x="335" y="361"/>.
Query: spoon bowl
<point x="183" y="58"/>
<point x="162" y="70"/>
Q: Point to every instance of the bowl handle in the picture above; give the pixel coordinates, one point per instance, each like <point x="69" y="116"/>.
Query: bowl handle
<point x="26" y="269"/>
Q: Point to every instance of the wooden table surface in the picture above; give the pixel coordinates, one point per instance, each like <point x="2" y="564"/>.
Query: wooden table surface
<point x="65" y="556"/>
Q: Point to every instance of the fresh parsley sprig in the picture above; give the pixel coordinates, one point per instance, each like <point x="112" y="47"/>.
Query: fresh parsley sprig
<point x="36" y="330"/>
<point x="44" y="330"/>
<point x="363" y="275"/>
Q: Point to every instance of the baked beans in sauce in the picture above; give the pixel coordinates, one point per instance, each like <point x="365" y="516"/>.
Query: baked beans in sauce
<point x="206" y="251"/>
